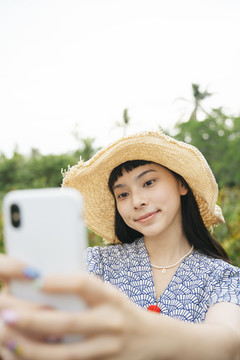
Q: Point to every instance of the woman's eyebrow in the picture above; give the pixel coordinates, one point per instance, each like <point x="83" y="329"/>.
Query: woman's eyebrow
<point x="137" y="178"/>
<point x="144" y="173"/>
<point x="118" y="186"/>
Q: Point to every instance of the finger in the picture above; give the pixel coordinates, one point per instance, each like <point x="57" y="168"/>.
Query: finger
<point x="12" y="268"/>
<point x="90" y="288"/>
<point x="12" y="305"/>
<point x="8" y="348"/>
<point x="7" y="301"/>
<point x="4" y="289"/>
<point x="100" y="319"/>
<point x="6" y="354"/>
<point x="102" y="347"/>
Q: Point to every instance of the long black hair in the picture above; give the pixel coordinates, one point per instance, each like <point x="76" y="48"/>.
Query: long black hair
<point x="192" y="222"/>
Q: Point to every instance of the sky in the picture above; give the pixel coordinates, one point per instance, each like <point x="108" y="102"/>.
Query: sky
<point x="75" y="65"/>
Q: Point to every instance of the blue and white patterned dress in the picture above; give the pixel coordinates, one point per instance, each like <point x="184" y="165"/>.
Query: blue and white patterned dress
<point x="199" y="282"/>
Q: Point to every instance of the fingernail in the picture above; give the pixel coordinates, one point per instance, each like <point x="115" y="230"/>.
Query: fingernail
<point x="9" y="316"/>
<point x="14" y="347"/>
<point x="31" y="273"/>
<point x="38" y="283"/>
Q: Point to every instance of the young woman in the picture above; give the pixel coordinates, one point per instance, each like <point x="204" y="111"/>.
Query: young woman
<point x="153" y="199"/>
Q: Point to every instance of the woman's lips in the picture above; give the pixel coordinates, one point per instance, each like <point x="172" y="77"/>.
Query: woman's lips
<point x="147" y="216"/>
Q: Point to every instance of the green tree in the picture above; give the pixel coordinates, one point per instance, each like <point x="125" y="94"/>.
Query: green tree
<point x="229" y="233"/>
<point x="86" y="149"/>
<point x="85" y="146"/>
<point x="218" y="138"/>
<point x="40" y="171"/>
<point x="125" y="122"/>
<point x="197" y="98"/>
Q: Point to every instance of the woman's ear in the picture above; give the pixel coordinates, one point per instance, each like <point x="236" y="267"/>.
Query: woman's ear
<point x="182" y="188"/>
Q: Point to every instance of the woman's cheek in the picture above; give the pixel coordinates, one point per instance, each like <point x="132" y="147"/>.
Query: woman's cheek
<point x="124" y="211"/>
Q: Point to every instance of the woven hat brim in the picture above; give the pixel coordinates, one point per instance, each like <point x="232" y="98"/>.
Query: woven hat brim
<point x="91" y="177"/>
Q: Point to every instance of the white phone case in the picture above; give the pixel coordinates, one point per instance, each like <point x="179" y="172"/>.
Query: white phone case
<point x="47" y="232"/>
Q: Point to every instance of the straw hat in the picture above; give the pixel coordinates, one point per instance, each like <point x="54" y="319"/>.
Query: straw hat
<point x="91" y="177"/>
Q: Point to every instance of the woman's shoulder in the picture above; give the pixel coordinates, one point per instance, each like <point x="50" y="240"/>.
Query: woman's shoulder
<point x="115" y="250"/>
<point x="213" y="266"/>
<point x="221" y="280"/>
<point x="103" y="260"/>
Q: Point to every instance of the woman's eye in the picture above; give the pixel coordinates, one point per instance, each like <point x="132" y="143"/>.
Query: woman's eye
<point x="122" y="196"/>
<point x="149" y="183"/>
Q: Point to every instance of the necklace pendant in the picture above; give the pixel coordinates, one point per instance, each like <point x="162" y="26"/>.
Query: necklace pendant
<point x="164" y="271"/>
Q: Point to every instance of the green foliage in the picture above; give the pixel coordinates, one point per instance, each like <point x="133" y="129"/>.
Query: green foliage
<point x="198" y="97"/>
<point x="21" y="172"/>
<point x="39" y="171"/>
<point x="229" y="233"/>
<point x="125" y="122"/>
<point x="218" y="138"/>
<point x="94" y="240"/>
<point x="1" y="232"/>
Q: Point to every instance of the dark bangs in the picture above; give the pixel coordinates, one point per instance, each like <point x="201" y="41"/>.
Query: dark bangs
<point x="127" y="166"/>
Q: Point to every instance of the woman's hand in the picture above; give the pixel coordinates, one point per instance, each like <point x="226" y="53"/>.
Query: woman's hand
<point x="13" y="269"/>
<point x="112" y="327"/>
<point x="10" y="268"/>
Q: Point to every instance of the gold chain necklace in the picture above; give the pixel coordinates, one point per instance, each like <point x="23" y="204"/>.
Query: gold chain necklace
<point x="164" y="268"/>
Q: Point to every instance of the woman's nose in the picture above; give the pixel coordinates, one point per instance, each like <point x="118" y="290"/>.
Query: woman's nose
<point x="138" y="200"/>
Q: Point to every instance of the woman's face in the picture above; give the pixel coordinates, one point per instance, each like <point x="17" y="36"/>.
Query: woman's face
<point x="148" y="199"/>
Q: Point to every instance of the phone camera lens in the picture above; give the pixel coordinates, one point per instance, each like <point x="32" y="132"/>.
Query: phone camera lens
<point x="15" y="215"/>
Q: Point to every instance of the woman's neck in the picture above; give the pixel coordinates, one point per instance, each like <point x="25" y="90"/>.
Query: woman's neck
<point x="166" y="250"/>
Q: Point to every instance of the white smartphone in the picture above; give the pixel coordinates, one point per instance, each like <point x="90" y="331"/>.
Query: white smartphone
<point x="44" y="228"/>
